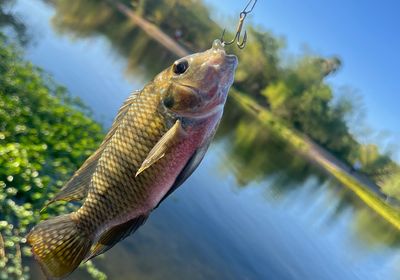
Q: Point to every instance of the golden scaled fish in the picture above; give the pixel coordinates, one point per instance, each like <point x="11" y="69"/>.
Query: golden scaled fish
<point x="157" y="140"/>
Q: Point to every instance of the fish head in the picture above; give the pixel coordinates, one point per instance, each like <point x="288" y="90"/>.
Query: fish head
<point x="198" y="84"/>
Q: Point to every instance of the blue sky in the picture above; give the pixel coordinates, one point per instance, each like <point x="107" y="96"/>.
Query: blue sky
<point x="364" y="34"/>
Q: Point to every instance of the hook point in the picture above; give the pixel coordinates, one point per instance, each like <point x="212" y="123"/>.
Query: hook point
<point x="243" y="43"/>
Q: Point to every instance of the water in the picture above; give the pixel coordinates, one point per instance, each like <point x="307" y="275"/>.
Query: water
<point x="252" y="210"/>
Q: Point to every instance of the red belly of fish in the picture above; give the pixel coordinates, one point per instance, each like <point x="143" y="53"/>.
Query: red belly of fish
<point x="177" y="159"/>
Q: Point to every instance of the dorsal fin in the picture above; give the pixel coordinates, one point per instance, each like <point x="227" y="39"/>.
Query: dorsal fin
<point x="77" y="187"/>
<point x="120" y="115"/>
<point x="111" y="237"/>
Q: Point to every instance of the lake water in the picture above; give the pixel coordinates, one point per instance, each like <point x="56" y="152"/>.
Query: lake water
<point x="252" y="210"/>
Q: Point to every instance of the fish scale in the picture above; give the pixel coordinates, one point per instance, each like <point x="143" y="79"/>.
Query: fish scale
<point x="125" y="155"/>
<point x="157" y="140"/>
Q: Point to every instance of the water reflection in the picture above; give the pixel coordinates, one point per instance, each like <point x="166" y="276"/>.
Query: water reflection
<point x="87" y="18"/>
<point x="252" y="207"/>
<point x="374" y="232"/>
<point x="256" y="153"/>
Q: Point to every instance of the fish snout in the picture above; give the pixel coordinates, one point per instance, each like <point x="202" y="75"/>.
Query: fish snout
<point x="221" y="61"/>
<point x="218" y="49"/>
<point x="217" y="45"/>
<point x="231" y="60"/>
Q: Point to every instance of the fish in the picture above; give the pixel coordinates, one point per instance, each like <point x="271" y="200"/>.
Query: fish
<point x="158" y="138"/>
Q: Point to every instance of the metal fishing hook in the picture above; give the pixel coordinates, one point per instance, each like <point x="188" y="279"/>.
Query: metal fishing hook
<point x="242" y="16"/>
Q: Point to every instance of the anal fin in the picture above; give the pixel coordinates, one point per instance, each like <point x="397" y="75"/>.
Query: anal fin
<point x="117" y="233"/>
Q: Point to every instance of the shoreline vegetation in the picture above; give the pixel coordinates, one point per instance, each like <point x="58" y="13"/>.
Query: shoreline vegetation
<point x="38" y="153"/>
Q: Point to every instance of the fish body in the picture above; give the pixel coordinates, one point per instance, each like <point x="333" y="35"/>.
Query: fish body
<point x="157" y="140"/>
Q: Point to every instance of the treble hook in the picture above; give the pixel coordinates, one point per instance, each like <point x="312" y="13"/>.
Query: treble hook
<point x="242" y="16"/>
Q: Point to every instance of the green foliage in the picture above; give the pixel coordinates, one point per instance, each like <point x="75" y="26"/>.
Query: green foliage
<point x="373" y="162"/>
<point x="44" y="136"/>
<point x="301" y="97"/>
<point x="391" y="184"/>
<point x="189" y="17"/>
<point x="259" y="64"/>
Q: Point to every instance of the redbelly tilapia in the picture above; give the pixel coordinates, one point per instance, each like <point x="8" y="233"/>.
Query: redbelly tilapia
<point x="157" y="140"/>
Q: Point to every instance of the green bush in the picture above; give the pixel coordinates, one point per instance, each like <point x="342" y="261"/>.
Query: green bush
<point x="44" y="136"/>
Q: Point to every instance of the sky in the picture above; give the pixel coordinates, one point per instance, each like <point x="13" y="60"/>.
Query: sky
<point x="364" y="34"/>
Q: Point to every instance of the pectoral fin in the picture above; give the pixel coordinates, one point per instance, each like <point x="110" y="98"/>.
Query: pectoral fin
<point x="170" y="138"/>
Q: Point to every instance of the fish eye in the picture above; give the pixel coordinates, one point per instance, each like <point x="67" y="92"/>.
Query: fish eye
<point x="180" y="66"/>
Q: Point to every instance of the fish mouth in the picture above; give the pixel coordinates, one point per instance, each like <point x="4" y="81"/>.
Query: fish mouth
<point x="228" y="65"/>
<point x="231" y="59"/>
<point x="219" y="47"/>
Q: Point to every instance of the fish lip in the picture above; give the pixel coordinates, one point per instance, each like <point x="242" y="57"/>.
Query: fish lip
<point x="230" y="64"/>
<point x="231" y="59"/>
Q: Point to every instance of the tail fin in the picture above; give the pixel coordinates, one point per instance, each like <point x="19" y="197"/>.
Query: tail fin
<point x="59" y="246"/>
